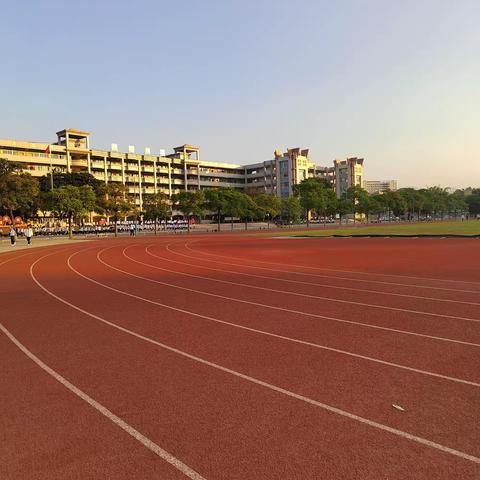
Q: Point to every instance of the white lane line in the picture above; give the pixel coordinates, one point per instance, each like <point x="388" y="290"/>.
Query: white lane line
<point x="298" y="312"/>
<point x="15" y="257"/>
<point x="146" y="442"/>
<point x="303" y="283"/>
<point x="384" y="307"/>
<point x="351" y="302"/>
<point x="395" y="284"/>
<point x="262" y="332"/>
<point x="270" y="386"/>
<point x="196" y="251"/>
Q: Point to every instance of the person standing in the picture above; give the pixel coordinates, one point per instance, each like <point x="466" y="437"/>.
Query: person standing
<point x="13" y="236"/>
<point x="29" y="234"/>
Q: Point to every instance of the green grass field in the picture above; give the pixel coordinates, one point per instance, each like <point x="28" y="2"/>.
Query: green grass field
<point x="471" y="227"/>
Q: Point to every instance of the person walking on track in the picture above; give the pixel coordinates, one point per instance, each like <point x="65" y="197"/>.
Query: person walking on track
<point x="13" y="236"/>
<point x="29" y="234"/>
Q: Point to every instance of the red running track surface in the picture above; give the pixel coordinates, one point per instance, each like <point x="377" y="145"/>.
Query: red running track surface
<point x="238" y="357"/>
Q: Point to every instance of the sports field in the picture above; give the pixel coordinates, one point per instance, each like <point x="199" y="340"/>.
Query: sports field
<point x="241" y="357"/>
<point x="470" y="227"/>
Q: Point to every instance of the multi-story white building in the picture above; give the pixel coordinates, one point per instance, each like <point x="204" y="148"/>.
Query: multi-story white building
<point x="279" y="175"/>
<point x="379" y="186"/>
<point x="343" y="175"/>
<point x="147" y="173"/>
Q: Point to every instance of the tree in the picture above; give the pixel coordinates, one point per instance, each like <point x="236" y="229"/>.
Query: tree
<point x="157" y="206"/>
<point x="268" y="206"/>
<point x="45" y="202"/>
<point x="473" y="202"/>
<point x="357" y="200"/>
<point x="18" y="190"/>
<point x="456" y="203"/>
<point x="190" y="203"/>
<point x="115" y="202"/>
<point x="247" y="208"/>
<point x="378" y="205"/>
<point x="240" y="205"/>
<point x="315" y="194"/>
<point x="72" y="202"/>
<point x="344" y="206"/>
<point x="77" y="179"/>
<point x="291" y="209"/>
<point x="216" y="200"/>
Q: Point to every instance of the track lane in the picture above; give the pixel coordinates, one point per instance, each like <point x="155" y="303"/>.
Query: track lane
<point x="232" y="354"/>
<point x="334" y="283"/>
<point x="280" y="303"/>
<point x="392" y="346"/>
<point x="282" y="421"/>
<point x="46" y="432"/>
<point x="416" y="322"/>
<point x="403" y="463"/>
<point x="467" y="309"/>
<point x="381" y="253"/>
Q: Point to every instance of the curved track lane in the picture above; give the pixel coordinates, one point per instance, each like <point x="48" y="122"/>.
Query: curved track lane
<point x="184" y="379"/>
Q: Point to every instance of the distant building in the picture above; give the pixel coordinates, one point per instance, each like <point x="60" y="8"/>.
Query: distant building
<point x="379" y="186"/>
<point x="343" y="175"/>
<point x="279" y="175"/>
<point x="148" y="173"/>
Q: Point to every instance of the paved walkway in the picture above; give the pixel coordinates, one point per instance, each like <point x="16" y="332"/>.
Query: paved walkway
<point x="36" y="242"/>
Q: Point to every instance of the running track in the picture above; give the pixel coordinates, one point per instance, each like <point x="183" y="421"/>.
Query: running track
<point x="239" y="357"/>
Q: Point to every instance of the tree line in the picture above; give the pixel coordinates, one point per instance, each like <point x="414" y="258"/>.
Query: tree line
<point x="317" y="196"/>
<point x="76" y="195"/>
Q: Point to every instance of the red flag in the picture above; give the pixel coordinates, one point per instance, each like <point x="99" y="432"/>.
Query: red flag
<point x="47" y="150"/>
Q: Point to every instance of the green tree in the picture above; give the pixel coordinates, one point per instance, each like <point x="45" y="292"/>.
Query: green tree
<point x="157" y="206"/>
<point x="378" y="205"/>
<point x="115" y="202"/>
<point x="456" y="203"/>
<point x="344" y="206"/>
<point x="473" y="203"/>
<point x="217" y="200"/>
<point x="190" y="203"/>
<point x="247" y="208"/>
<point x="45" y="202"/>
<point x="18" y="190"/>
<point x="73" y="202"/>
<point x="268" y="206"/>
<point x="357" y="200"/>
<point x="315" y="194"/>
<point x="77" y="179"/>
<point x="291" y="209"/>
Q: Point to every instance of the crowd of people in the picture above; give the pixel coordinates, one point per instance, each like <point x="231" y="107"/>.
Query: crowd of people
<point x="132" y="227"/>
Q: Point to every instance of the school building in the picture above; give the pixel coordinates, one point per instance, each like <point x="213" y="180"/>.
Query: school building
<point x="184" y="169"/>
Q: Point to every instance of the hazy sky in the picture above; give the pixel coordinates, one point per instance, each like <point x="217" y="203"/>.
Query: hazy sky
<point x="396" y="82"/>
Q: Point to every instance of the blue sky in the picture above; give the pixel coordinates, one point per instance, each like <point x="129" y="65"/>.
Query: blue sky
<point x="395" y="82"/>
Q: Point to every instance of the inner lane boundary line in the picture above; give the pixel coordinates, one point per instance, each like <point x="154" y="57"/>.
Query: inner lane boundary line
<point x="197" y="251"/>
<point x="337" y="287"/>
<point x="145" y="441"/>
<point x="372" y="305"/>
<point x="262" y="332"/>
<point x="297" y="312"/>
<point x="256" y="381"/>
